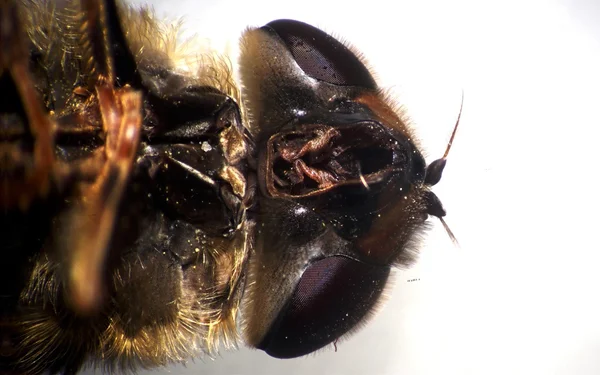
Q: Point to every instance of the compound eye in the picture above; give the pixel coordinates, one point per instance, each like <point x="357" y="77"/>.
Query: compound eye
<point x="321" y="56"/>
<point x="334" y="295"/>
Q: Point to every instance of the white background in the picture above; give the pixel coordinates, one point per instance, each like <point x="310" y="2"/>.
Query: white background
<point x="521" y="295"/>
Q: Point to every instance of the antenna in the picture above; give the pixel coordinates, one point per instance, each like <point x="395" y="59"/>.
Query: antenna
<point x="446" y="227"/>
<point x="462" y="101"/>
<point x="433" y="174"/>
<point x="450" y="234"/>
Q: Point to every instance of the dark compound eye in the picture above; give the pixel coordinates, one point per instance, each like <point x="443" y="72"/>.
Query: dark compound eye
<point x="321" y="56"/>
<point x="333" y="295"/>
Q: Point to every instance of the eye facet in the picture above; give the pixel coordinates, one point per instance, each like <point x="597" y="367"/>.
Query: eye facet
<point x="333" y="295"/>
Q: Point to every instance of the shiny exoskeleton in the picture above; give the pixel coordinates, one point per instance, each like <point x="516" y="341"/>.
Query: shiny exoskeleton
<point x="148" y="212"/>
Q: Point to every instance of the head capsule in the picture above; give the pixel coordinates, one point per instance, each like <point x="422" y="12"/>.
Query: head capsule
<point x="342" y="189"/>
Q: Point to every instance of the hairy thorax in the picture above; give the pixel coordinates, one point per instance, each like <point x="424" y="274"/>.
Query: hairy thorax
<point x="166" y="285"/>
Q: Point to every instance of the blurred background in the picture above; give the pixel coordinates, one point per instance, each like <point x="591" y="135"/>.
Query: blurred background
<point x="521" y="293"/>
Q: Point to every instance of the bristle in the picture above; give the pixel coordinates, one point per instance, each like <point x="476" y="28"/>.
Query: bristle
<point x="462" y="100"/>
<point x="450" y="234"/>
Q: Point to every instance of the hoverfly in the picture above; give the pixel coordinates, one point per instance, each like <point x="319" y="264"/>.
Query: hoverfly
<point x="150" y="215"/>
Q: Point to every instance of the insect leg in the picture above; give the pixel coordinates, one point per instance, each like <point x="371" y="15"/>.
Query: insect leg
<point x="121" y="114"/>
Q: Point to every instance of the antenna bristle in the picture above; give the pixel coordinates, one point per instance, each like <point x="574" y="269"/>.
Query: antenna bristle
<point x="462" y="100"/>
<point x="450" y="234"/>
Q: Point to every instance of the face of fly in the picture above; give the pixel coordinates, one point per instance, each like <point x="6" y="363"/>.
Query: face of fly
<point x="343" y="189"/>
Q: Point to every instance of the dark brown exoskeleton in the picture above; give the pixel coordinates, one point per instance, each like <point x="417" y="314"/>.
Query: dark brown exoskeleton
<point x="143" y="207"/>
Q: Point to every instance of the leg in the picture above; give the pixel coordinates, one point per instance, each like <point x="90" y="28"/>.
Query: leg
<point x="93" y="220"/>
